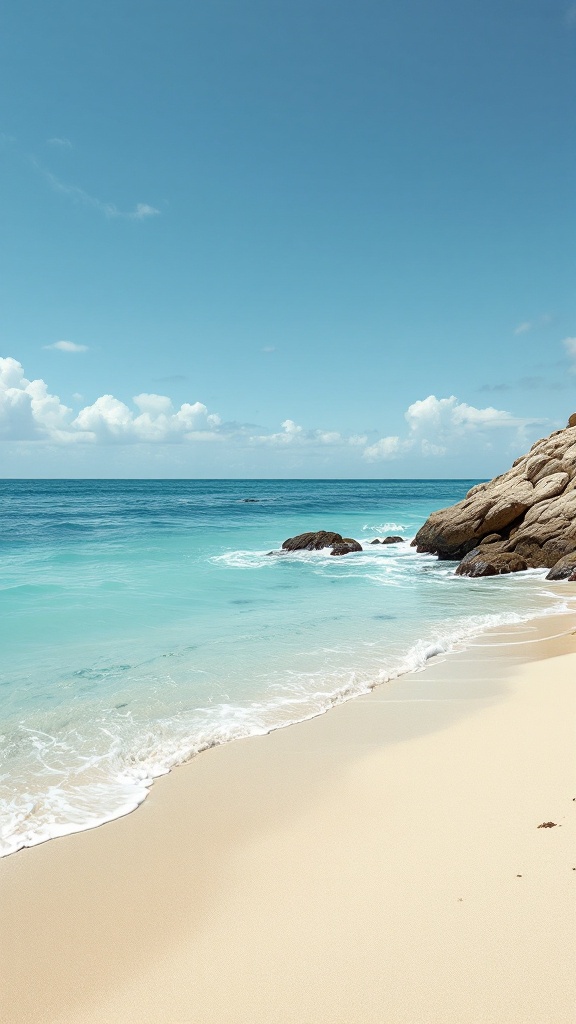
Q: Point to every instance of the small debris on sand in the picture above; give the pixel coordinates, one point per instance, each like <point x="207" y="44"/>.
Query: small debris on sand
<point x="548" y="824"/>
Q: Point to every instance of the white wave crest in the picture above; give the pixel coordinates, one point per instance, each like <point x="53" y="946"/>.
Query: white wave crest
<point x="384" y="527"/>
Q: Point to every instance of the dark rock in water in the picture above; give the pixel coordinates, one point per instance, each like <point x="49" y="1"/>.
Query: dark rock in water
<point x="490" y="560"/>
<point x="564" y="567"/>
<point x="376" y="541"/>
<point x="392" y="540"/>
<point x="250" y="501"/>
<point x="312" y="541"/>
<point x="345" y="546"/>
<point x="319" y="540"/>
<point x="525" y="518"/>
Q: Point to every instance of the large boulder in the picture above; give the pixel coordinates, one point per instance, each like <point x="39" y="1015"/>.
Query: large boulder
<point x="525" y="518"/>
<point x="312" y="541"/>
<point x="564" y="568"/>
<point x="490" y="560"/>
<point x="322" y="539"/>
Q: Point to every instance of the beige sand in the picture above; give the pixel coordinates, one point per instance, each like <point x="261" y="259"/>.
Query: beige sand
<point x="380" y="864"/>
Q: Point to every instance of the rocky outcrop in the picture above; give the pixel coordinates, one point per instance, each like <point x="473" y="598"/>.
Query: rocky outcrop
<point x="322" y="539"/>
<point x="388" y="540"/>
<point x="525" y="518"/>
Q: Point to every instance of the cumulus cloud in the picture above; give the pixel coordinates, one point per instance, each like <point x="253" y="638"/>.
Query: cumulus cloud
<point x="67" y="346"/>
<point x="27" y="409"/>
<point x="29" y="412"/>
<point x="109" y="419"/>
<point x="289" y="434"/>
<point x="385" y="448"/>
<point x="437" y="426"/>
<point x="439" y="415"/>
<point x="434" y="426"/>
<point x="293" y="434"/>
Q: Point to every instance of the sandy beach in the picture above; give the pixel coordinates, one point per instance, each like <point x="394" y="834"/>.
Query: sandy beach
<point x="380" y="863"/>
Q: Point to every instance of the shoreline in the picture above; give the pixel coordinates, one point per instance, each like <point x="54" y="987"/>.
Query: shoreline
<point x="414" y="662"/>
<point x="241" y="891"/>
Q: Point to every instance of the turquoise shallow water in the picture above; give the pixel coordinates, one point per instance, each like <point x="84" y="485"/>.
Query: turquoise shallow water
<point x="143" y="621"/>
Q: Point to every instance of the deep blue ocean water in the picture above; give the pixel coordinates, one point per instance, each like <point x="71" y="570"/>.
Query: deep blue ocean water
<point x="143" y="621"/>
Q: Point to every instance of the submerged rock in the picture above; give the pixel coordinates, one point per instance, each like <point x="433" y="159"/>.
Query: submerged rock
<point x="525" y="518"/>
<point x="392" y="540"/>
<point x="322" y="539"/>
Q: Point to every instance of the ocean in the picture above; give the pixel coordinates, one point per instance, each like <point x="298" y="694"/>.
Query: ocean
<point x="143" y="621"/>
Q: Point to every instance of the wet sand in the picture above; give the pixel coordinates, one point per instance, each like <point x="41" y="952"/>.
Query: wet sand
<point x="380" y="864"/>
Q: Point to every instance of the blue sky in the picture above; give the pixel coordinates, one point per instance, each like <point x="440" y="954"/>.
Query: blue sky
<point x="285" y="237"/>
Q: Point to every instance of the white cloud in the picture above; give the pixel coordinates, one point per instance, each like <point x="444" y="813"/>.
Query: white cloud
<point x="293" y="434"/>
<point x="438" y="426"/>
<point x="434" y="426"/>
<point x="108" y="419"/>
<point x="523" y="327"/>
<point x="67" y="346"/>
<point x="58" y="142"/>
<point x="328" y="436"/>
<point x="446" y="415"/>
<point x="268" y="348"/>
<point x="142" y="211"/>
<point x="429" y="448"/>
<point x="27" y="410"/>
<point x="386" y="448"/>
<point x="289" y="434"/>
